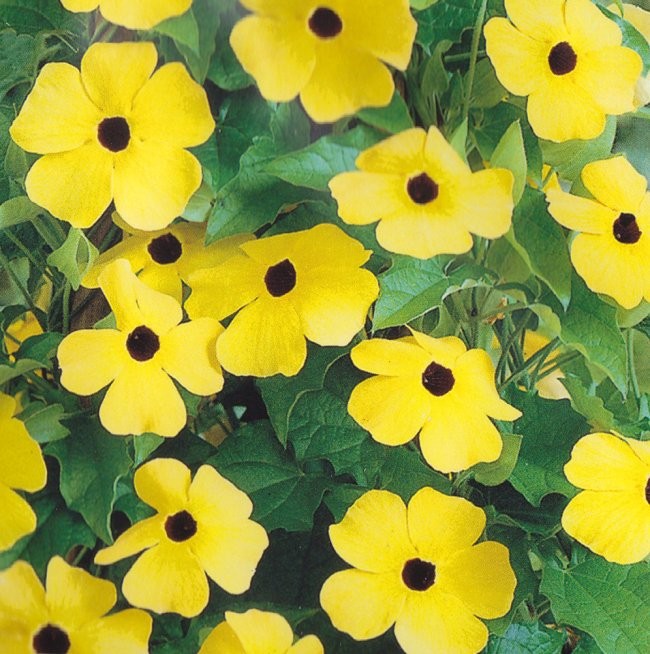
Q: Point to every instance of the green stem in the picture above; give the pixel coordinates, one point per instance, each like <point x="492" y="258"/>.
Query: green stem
<point x="536" y="358"/>
<point x="476" y="37"/>
<point x="634" y="382"/>
<point x="642" y="112"/>
<point x="40" y="265"/>
<point x="66" y="307"/>
<point x="6" y="264"/>
<point x="509" y="308"/>
<point x="463" y="56"/>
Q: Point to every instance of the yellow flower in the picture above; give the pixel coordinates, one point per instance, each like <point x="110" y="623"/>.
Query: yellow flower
<point x="134" y="14"/>
<point x="21" y="329"/>
<point x="201" y="527"/>
<point x="550" y="386"/>
<point x="612" y="250"/>
<point x="292" y="286"/>
<point x="419" y="569"/>
<point x="21" y="467"/>
<point x="138" y="358"/>
<point x="566" y="56"/>
<point x="165" y="258"/>
<point x="612" y="515"/>
<point x="114" y="131"/>
<point x="330" y="53"/>
<point x="257" y="632"/>
<point x="68" y="615"/>
<point x="436" y="387"/>
<point x="425" y="196"/>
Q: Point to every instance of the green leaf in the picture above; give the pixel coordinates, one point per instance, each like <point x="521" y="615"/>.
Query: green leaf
<point x="283" y="495"/>
<point x="9" y="372"/>
<point x="393" y="118"/>
<point x="43" y="422"/>
<point x="588" y="405"/>
<point x="445" y="21"/>
<point x="41" y="348"/>
<point x="422" y="4"/>
<point x="495" y="473"/>
<point x="92" y="461"/>
<point x="183" y="29"/>
<point x="487" y="91"/>
<point x="198" y="58"/>
<point x="510" y="154"/>
<point x="225" y="70"/>
<point x="75" y="257"/>
<point x="34" y="16"/>
<point x="610" y="602"/>
<point x="18" y="58"/>
<point x="10" y="293"/>
<point x="18" y="210"/>
<point x="550" y="429"/>
<point x="532" y="638"/>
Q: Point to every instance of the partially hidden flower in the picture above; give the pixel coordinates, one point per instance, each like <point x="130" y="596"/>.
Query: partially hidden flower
<point x="286" y="288"/>
<point x="612" y="248"/>
<point x="549" y="387"/>
<point x="114" y="130"/>
<point x="417" y="568"/>
<point x="257" y="632"/>
<point x="566" y="56"/>
<point x="134" y="14"/>
<point x="164" y="259"/>
<point x="21" y="329"/>
<point x="201" y="527"/>
<point x="68" y="615"/>
<point x="21" y="468"/>
<point x="140" y="357"/>
<point x="611" y="516"/>
<point x="434" y="387"/>
<point x="332" y="53"/>
<point x="426" y="198"/>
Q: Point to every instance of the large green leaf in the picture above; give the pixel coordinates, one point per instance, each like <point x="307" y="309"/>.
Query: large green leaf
<point x="445" y="21"/>
<point x="34" y="16"/>
<point x="529" y="638"/>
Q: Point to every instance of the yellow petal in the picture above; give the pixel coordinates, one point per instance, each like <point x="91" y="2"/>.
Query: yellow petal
<point x="222" y="640"/>
<point x="214" y="499"/>
<point x="189" y="354"/>
<point x="392" y="409"/>
<point x="140" y="536"/>
<point x="113" y="73"/>
<point x="57" y="115"/>
<point x="581" y="214"/>
<point x="197" y="255"/>
<point x="91" y="359"/>
<point x="163" y="484"/>
<point x="537" y="18"/>
<point x="396" y="154"/>
<point x="8" y="406"/>
<point x="74" y="186"/>
<point x="18" y="519"/>
<point x="80" y="5"/>
<point x="22" y="595"/>
<point x="163" y="279"/>
<point x="126" y="632"/>
<point x="393" y="358"/>
<point x="167" y="578"/>
<point x="640" y="448"/>
<point x="589" y="29"/>
<point x="615" y="183"/>
<point x="444" y="350"/>
<point x="614" y="524"/>
<point x="307" y="645"/>
<point x="153" y="182"/>
<point x="373" y="534"/>
<point x="131" y="248"/>
<point x="265" y="338"/>
<point x="261" y="632"/>
<point x="181" y="118"/>
<point x="441" y="157"/>
<point x="362" y="604"/>
<point x="324" y="246"/>
<point x="481" y="577"/>
<point x="144" y="14"/>
<point x="279" y="54"/>
<point x="440" y="525"/>
<point x="21" y="463"/>
<point x="143" y="399"/>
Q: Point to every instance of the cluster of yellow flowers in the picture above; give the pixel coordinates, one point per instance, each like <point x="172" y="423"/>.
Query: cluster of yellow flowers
<point x="117" y="130"/>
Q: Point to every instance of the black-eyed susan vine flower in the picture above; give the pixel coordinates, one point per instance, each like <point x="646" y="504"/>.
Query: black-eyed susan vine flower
<point x="286" y="288"/>
<point x="21" y="468"/>
<point x="139" y="358"/>
<point x="114" y="130"/>
<point x="257" y="632"/>
<point x="434" y="387"/>
<point x="68" y="616"/>
<point x="417" y="568"/>
<point x="164" y="259"/>
<point x="611" y="516"/>
<point x="21" y="329"/>
<point x="134" y="14"/>
<point x="566" y="56"/>
<point x="333" y="53"/>
<point x="201" y="527"/>
<point x="426" y="198"/>
<point x="612" y="248"/>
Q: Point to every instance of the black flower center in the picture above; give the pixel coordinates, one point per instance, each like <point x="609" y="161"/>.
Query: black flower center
<point x="325" y="23"/>
<point x="422" y="189"/>
<point x="165" y="249"/>
<point x="626" y="229"/>
<point x="142" y="343"/>
<point x="437" y="379"/>
<point x="51" y="640"/>
<point x="180" y="526"/>
<point x="562" y="58"/>
<point x="280" y="278"/>
<point x="418" y="574"/>
<point x="647" y="491"/>
<point x="114" y="133"/>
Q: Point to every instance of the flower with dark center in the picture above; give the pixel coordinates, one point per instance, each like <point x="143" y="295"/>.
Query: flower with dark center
<point x="114" y="133"/>
<point x="165" y="249"/>
<point x="647" y="491"/>
<point x="51" y="640"/>
<point x="418" y="574"/>
<point x="142" y="343"/>
<point x="626" y="229"/>
<point x="562" y="58"/>
<point x="280" y="279"/>
<point x="437" y="379"/>
<point x="180" y="527"/>
<point x="325" y="23"/>
<point x="422" y="189"/>
<point x="137" y="15"/>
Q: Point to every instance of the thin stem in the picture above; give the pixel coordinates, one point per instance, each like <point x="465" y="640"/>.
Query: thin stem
<point x="463" y="56"/>
<point x="508" y="308"/>
<point x="536" y="358"/>
<point x="40" y="265"/>
<point x="66" y="307"/>
<point x="476" y="37"/>
<point x="6" y="264"/>
<point x="634" y="382"/>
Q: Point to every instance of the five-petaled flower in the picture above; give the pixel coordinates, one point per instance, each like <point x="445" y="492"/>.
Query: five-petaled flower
<point x="257" y="632"/>
<point x="68" y="615"/>
<point x="138" y="358"/>
<point x="566" y="56"/>
<point x="114" y="130"/>
<point x="611" y="516"/>
<point x="331" y="52"/>
<point x="419" y="569"/>
<point x="134" y="14"/>
<point x="612" y="250"/>
<point x="436" y="387"/>
<point x="287" y="288"/>
<point x="201" y="527"/>
<point x="425" y="196"/>
<point x="21" y="467"/>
